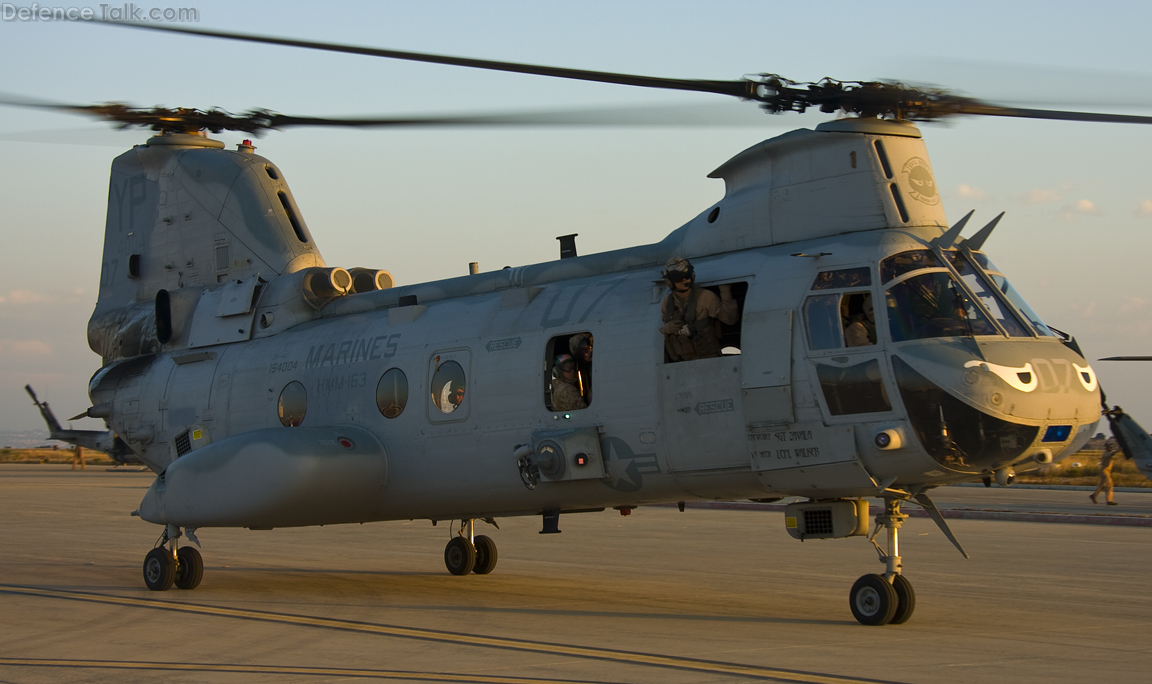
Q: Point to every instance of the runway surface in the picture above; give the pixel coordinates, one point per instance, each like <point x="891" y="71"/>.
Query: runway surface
<point x="658" y="596"/>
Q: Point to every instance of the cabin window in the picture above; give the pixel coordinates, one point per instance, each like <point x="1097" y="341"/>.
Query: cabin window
<point x="293" y="404"/>
<point x="854" y="389"/>
<point x="568" y="372"/>
<point x="447" y="386"/>
<point x="392" y="393"/>
<point x="690" y="340"/>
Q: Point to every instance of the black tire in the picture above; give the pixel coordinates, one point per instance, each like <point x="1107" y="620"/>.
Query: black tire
<point x="485" y="555"/>
<point x="905" y="600"/>
<point x="189" y="568"/>
<point x="873" y="600"/>
<point x="460" y="556"/>
<point x="159" y="569"/>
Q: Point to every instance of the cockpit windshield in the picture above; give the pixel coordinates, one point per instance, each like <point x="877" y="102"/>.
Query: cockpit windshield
<point x="1012" y="295"/>
<point x="936" y="305"/>
<point x="984" y="291"/>
<point x="933" y="305"/>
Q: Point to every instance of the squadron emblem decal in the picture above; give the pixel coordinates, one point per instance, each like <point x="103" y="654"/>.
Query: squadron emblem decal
<point x="920" y="182"/>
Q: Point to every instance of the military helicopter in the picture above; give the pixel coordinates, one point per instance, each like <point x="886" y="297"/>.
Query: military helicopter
<point x="98" y="440"/>
<point x="268" y="389"/>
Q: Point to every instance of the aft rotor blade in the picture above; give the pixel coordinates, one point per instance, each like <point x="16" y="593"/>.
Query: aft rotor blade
<point x="1128" y="358"/>
<point x="692" y="115"/>
<point x="739" y="88"/>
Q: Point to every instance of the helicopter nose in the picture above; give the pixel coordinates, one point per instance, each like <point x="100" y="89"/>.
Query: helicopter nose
<point x="1029" y="381"/>
<point x="979" y="405"/>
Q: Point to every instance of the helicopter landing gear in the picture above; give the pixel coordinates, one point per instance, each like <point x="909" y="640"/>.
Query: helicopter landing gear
<point x="485" y="554"/>
<point x="887" y="598"/>
<point x="470" y="552"/>
<point x="166" y="565"/>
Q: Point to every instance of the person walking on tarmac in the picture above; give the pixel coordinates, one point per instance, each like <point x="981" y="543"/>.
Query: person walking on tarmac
<point x="692" y="315"/>
<point x="1107" y="460"/>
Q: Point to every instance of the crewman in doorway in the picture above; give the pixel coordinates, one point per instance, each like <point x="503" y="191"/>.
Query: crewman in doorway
<point x="580" y="345"/>
<point x="692" y="315"/>
<point x="565" y="393"/>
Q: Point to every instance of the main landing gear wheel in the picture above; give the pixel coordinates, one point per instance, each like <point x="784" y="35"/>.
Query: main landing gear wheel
<point x="905" y="600"/>
<point x="189" y="568"/>
<point x="159" y="569"/>
<point x="873" y="600"/>
<point x="485" y="555"/>
<point x="460" y="556"/>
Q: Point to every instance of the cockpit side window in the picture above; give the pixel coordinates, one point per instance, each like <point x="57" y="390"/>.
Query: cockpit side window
<point x="840" y="320"/>
<point x="933" y="305"/>
<point x="822" y="313"/>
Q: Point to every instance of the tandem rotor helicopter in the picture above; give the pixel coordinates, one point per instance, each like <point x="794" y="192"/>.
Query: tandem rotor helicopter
<point x="866" y="349"/>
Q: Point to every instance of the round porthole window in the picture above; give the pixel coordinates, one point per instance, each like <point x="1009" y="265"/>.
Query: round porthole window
<point x="448" y="386"/>
<point x="392" y="393"/>
<point x="293" y="405"/>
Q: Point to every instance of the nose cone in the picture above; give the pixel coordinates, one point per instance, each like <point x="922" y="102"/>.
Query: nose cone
<point x="976" y="406"/>
<point x="1019" y="381"/>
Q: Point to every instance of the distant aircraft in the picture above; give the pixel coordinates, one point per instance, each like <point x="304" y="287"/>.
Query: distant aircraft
<point x="98" y="440"/>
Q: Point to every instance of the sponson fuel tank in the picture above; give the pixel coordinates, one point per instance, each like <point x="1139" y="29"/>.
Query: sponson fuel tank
<point x="273" y="478"/>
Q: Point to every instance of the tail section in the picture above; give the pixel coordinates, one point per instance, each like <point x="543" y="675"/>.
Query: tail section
<point x="187" y="217"/>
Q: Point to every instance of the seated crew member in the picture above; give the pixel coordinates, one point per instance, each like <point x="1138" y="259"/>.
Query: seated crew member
<point x="565" y="393"/>
<point x="450" y="397"/>
<point x="581" y="347"/>
<point x="860" y="330"/>
<point x="692" y="314"/>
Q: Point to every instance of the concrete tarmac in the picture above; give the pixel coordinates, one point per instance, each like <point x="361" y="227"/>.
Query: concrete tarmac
<point x="658" y="596"/>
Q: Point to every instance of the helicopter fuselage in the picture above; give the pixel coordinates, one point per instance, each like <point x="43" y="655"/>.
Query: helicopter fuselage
<point x="795" y="412"/>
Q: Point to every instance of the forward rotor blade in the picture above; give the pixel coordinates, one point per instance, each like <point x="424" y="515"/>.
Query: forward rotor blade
<point x="1128" y="358"/>
<point x="983" y="109"/>
<point x="739" y="88"/>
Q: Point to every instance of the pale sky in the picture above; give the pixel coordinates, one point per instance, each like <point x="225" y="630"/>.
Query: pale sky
<point x="423" y="204"/>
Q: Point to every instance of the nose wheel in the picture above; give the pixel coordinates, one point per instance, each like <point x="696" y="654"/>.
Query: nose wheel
<point x="168" y="565"/>
<point x="470" y="552"/>
<point x="888" y="598"/>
